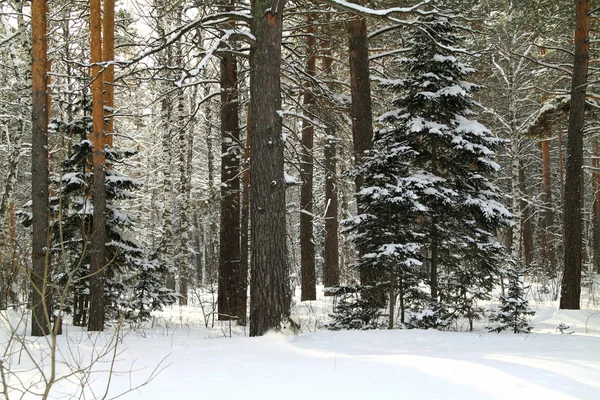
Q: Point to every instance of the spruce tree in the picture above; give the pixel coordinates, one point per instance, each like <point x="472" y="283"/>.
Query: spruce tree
<point x="515" y="308"/>
<point x="384" y="231"/>
<point x="448" y="159"/>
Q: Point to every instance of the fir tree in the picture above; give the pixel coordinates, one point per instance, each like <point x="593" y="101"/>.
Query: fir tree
<point x="352" y="310"/>
<point x="451" y="154"/>
<point x="515" y="309"/>
<point x="384" y="231"/>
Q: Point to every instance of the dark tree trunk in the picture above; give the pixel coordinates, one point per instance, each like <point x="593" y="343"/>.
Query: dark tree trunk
<point x="98" y="247"/>
<point x="307" y="245"/>
<point x="331" y="263"/>
<point x="229" y="251"/>
<point x="362" y="119"/>
<point x="361" y="113"/>
<point x="573" y="197"/>
<point x="269" y="292"/>
<point x="41" y="296"/>
<point x="596" y="208"/>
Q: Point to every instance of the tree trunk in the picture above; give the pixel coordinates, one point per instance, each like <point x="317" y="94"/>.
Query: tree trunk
<point x="166" y="123"/>
<point x="331" y="263"/>
<point x="244" y="225"/>
<point x="307" y="244"/>
<point x="526" y="226"/>
<point x="229" y="251"/>
<point x="108" y="75"/>
<point x="41" y="296"/>
<point x="514" y="236"/>
<point x="596" y="208"/>
<point x="98" y="241"/>
<point x="210" y="242"/>
<point x="269" y="292"/>
<point x="572" y="214"/>
<point x="183" y="255"/>
<point x="362" y="119"/>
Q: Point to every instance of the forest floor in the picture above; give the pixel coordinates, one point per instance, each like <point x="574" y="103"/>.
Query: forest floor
<point x="180" y="354"/>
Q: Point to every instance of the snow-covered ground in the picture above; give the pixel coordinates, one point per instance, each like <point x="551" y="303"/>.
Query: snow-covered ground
<point x="187" y="360"/>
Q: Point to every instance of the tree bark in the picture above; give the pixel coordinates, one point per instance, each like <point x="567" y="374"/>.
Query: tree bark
<point x="572" y="214"/>
<point x="307" y="244"/>
<point x="230" y="295"/>
<point x="269" y="292"/>
<point x="596" y="208"/>
<point x="362" y="119"/>
<point x="41" y="296"/>
<point x="166" y="124"/>
<point x="331" y="263"/>
<point x="183" y="255"/>
<point x="98" y="242"/>
<point x="108" y="75"/>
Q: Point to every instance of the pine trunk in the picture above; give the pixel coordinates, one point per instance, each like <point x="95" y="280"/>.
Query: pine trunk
<point x="269" y="292"/>
<point x="108" y="75"/>
<point x="41" y="296"/>
<point x="307" y="245"/>
<point x="596" y="208"/>
<point x="573" y="219"/>
<point x="331" y="263"/>
<point x="362" y="120"/>
<point x="229" y="297"/>
<point x="98" y="240"/>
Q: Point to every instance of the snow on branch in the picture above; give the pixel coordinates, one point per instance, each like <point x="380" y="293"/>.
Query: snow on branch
<point x="302" y="116"/>
<point x="175" y="35"/>
<point x="369" y="12"/>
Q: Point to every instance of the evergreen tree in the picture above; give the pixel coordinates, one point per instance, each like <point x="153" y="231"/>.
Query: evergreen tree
<point x="447" y="210"/>
<point x="132" y="282"/>
<point x="353" y="311"/>
<point x="515" y="308"/>
<point x="384" y="232"/>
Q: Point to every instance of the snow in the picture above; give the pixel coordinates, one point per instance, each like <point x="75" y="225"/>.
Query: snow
<point x="418" y="124"/>
<point x="290" y="179"/>
<point x="188" y="360"/>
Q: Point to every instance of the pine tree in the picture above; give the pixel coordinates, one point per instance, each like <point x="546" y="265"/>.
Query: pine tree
<point x="515" y="308"/>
